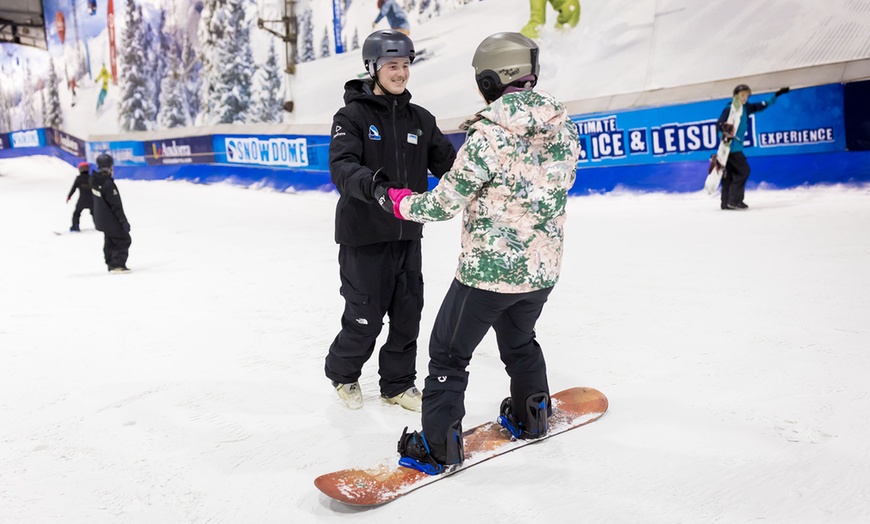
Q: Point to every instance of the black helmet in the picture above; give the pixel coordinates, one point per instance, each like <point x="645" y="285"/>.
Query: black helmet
<point x="104" y="161"/>
<point x="385" y="43"/>
<point x="742" y="87"/>
<point x="501" y="59"/>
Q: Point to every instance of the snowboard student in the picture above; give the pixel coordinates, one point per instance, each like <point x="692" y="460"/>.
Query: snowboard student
<point x="109" y="215"/>
<point x="380" y="140"/>
<point x="737" y="168"/>
<point x="511" y="180"/>
<point x="86" y="199"/>
<point x="395" y="16"/>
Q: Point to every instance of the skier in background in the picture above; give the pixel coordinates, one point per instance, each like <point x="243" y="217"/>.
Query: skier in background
<point x="109" y="216"/>
<point x="737" y="168"/>
<point x="72" y="87"/>
<point x="511" y="180"/>
<point x="395" y="16"/>
<point x="380" y="140"/>
<point x="105" y="77"/>
<point x="86" y="199"/>
<point x="569" y="13"/>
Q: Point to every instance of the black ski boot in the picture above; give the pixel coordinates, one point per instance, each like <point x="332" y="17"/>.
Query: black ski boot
<point x="534" y="424"/>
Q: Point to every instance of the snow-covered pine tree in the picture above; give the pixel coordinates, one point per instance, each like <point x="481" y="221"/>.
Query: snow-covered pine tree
<point x="28" y="116"/>
<point x="5" y="111"/>
<point x="150" y="67"/>
<point x="325" y="48"/>
<point x="133" y="108"/>
<point x="172" y="106"/>
<point x="236" y="71"/>
<point x="306" y="36"/>
<point x="210" y="32"/>
<point x="190" y="68"/>
<point x="159" y="57"/>
<point x="53" y="116"/>
<point x="269" y="93"/>
<point x="354" y="43"/>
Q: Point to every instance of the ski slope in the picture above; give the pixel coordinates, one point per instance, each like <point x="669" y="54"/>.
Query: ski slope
<point x="732" y="347"/>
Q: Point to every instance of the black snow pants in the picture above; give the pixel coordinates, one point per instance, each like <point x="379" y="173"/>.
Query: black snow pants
<point x="734" y="180"/>
<point x="116" y="249"/>
<point x="81" y="205"/>
<point x="465" y="317"/>
<point x="377" y="280"/>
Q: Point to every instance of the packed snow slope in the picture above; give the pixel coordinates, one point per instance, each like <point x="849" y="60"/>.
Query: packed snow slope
<point x="732" y="347"/>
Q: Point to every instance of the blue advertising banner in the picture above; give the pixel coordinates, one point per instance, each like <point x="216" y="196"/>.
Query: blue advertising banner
<point x="65" y="142"/>
<point x="4" y="141"/>
<point x="124" y="153"/>
<point x="803" y="121"/>
<point x="309" y="153"/>
<point x="186" y="150"/>
<point x="28" y="138"/>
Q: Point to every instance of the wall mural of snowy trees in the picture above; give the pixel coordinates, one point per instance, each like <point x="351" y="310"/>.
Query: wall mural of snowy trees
<point x="177" y="63"/>
<point x="147" y="65"/>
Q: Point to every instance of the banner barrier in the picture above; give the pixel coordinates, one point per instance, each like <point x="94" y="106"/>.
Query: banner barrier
<point x="800" y="139"/>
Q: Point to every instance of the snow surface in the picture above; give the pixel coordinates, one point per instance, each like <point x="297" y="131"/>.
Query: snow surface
<point x="733" y="347"/>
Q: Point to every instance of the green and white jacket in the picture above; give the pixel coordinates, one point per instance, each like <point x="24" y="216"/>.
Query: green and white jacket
<point x="511" y="178"/>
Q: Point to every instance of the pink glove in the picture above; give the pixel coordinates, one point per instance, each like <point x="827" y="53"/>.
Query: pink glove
<point x="396" y="195"/>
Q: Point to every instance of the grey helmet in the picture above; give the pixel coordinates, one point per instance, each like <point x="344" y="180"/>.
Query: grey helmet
<point x="742" y="87"/>
<point x="105" y="161"/>
<point x="385" y="43"/>
<point x="502" y="59"/>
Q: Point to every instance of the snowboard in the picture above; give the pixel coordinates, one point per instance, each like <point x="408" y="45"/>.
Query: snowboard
<point x="572" y="408"/>
<point x="718" y="161"/>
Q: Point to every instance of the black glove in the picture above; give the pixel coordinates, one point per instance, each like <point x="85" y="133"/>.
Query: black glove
<point x="126" y="227"/>
<point x="380" y="188"/>
<point x="783" y="91"/>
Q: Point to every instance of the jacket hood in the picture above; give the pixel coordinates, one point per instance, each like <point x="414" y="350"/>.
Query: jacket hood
<point x="98" y="178"/>
<point x="527" y="113"/>
<point x="361" y="90"/>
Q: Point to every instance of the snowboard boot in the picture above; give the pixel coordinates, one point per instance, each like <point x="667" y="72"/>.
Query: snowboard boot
<point x="351" y="394"/>
<point x="530" y="424"/>
<point x="411" y="399"/>
<point x="414" y="453"/>
<point x="431" y="457"/>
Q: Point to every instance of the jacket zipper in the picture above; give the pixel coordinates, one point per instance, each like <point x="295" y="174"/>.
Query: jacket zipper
<point x="403" y="178"/>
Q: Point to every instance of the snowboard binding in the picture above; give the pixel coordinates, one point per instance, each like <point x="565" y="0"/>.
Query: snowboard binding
<point x="534" y="424"/>
<point x="415" y="453"/>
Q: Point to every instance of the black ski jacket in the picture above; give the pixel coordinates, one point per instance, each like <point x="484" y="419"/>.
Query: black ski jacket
<point x="85" y="196"/>
<point x="387" y="133"/>
<point x="109" y="214"/>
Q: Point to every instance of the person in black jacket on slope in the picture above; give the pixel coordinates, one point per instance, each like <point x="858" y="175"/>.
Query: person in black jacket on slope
<point x="109" y="215"/>
<point x="381" y="140"/>
<point x="86" y="199"/>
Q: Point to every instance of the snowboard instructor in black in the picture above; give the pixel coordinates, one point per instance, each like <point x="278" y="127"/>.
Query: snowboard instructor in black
<point x="381" y="140"/>
<point x="109" y="215"/>
<point x="86" y="199"/>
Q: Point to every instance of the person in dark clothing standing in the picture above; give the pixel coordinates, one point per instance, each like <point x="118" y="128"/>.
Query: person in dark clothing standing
<point x="109" y="216"/>
<point x="86" y="199"/>
<point x="381" y="140"/>
<point x="737" y="168"/>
